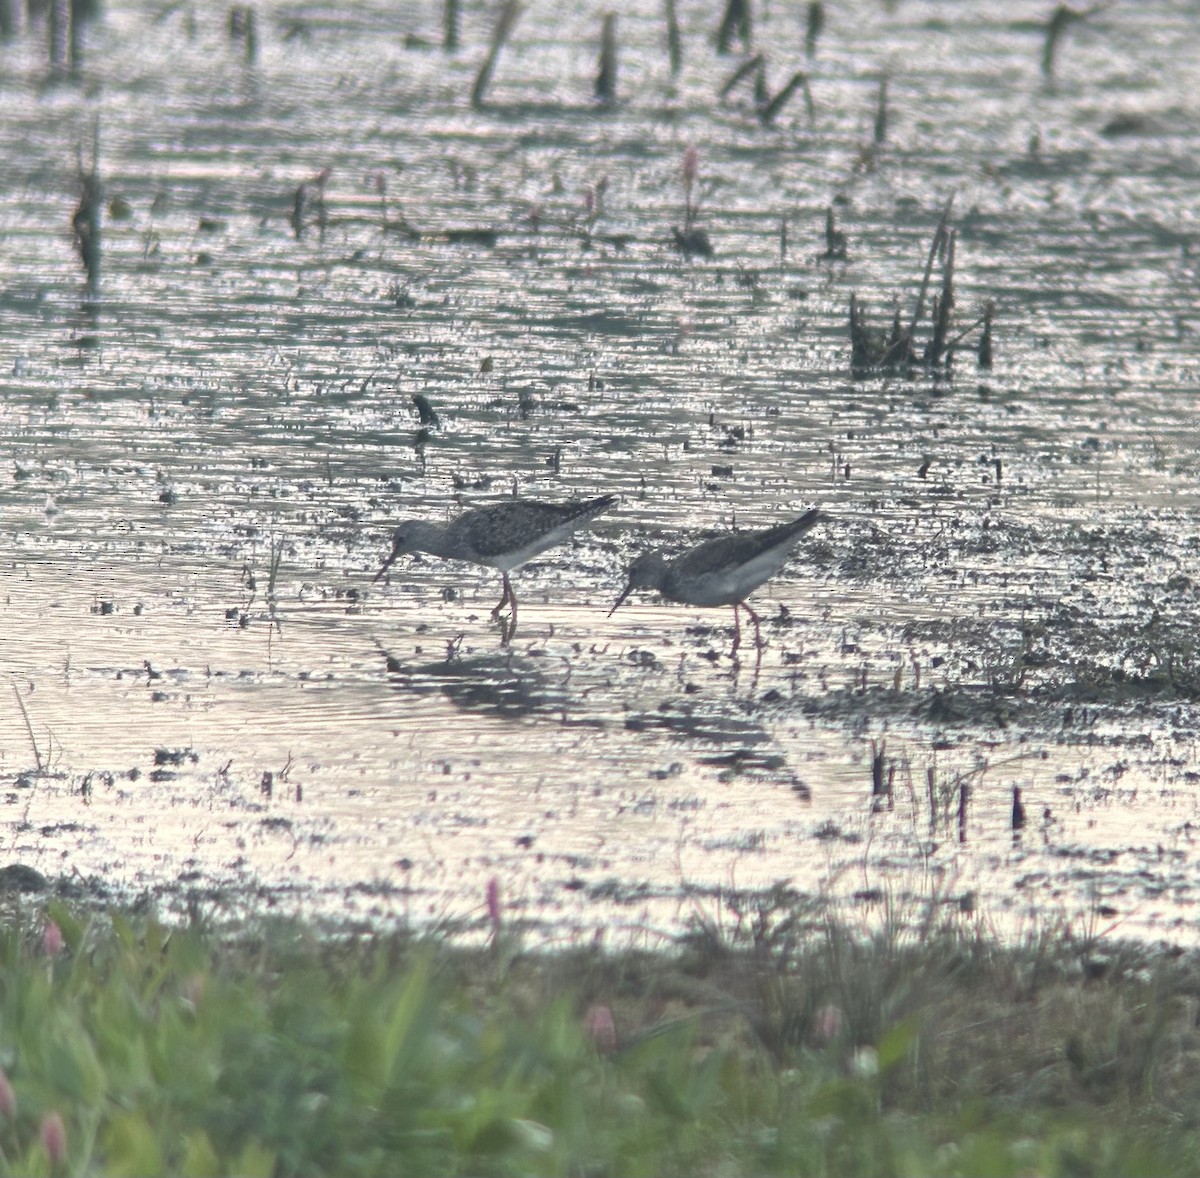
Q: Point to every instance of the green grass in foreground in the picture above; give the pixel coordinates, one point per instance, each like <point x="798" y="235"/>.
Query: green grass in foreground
<point x="131" y="1049"/>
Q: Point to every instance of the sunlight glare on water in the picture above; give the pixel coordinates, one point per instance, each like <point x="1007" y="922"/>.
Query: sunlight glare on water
<point x="210" y="701"/>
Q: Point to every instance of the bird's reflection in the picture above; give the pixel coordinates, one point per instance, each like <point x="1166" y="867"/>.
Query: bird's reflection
<point x="739" y="745"/>
<point x="501" y="683"/>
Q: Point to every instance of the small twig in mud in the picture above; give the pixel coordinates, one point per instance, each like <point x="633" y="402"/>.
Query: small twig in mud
<point x="934" y="247"/>
<point x="381" y="190"/>
<point x="985" y="340"/>
<point x="943" y="306"/>
<point x="500" y="34"/>
<point x="86" y="221"/>
<point x="690" y="239"/>
<point x="606" y="76"/>
<point x="690" y="171"/>
<point x="984" y="321"/>
<point x="1018" y="810"/>
<point x="765" y="106"/>
<point x="62" y="30"/>
<point x="309" y="201"/>
<point x="243" y="27"/>
<point x="674" y="41"/>
<point x="425" y="411"/>
<point x="878" y="788"/>
<point x="37" y="756"/>
<point x="835" y="239"/>
<point x="450" y="26"/>
<point x="736" y="21"/>
<point x="276" y="559"/>
<point x="742" y="72"/>
<point x="813" y="26"/>
<point x="1060" y="20"/>
<point x="768" y="110"/>
<point x="881" y="112"/>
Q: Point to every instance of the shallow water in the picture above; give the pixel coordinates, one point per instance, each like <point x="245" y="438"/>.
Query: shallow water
<point x="1003" y="594"/>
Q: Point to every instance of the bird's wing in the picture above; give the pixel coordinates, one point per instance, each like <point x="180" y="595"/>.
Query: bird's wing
<point x="507" y="527"/>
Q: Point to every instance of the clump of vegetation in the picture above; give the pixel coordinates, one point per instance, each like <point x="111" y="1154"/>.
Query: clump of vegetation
<point x="771" y="1042"/>
<point x="895" y="352"/>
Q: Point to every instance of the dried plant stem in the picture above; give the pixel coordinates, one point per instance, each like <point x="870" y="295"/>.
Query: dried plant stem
<point x="606" y="76"/>
<point x="37" y="756"/>
<point x="674" y="41"/>
<point x="933" y="252"/>
<point x="504" y="26"/>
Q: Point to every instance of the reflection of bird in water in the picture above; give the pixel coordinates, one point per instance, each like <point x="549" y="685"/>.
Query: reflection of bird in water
<point x="724" y="571"/>
<point x="502" y="536"/>
<point x="735" y="746"/>
<point x="500" y="684"/>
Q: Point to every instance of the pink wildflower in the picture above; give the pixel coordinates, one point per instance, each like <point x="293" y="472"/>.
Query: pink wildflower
<point x="599" y="1025"/>
<point x="52" y="939"/>
<point x="827" y="1024"/>
<point x="493" y="903"/>
<point x="691" y="166"/>
<point x="54" y="1138"/>
<point x="8" y="1098"/>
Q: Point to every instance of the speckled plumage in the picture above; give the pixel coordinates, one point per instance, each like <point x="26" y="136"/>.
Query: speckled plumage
<point x="724" y="571"/>
<point x="501" y="536"/>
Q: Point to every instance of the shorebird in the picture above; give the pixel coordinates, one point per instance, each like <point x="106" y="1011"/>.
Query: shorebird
<point x="501" y="536"/>
<point x="724" y="571"/>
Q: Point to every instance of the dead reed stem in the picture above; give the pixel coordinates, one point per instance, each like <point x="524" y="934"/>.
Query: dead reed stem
<point x="500" y="34"/>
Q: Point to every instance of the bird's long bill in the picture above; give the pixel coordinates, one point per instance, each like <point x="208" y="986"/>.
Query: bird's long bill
<point x="387" y="564"/>
<point x="624" y="594"/>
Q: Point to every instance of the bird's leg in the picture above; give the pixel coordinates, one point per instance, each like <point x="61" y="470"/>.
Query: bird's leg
<point x="758" y="638"/>
<point x="508" y="596"/>
<point x="507" y="627"/>
<point x="737" y="630"/>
